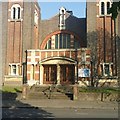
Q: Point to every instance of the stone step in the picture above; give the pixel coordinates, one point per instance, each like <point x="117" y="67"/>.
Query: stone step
<point x="47" y="95"/>
<point x="37" y="95"/>
<point x="38" y="88"/>
<point x="50" y="92"/>
<point x="62" y="89"/>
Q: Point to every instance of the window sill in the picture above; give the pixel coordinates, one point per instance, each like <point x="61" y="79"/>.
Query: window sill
<point x="13" y="76"/>
<point x="101" y="16"/>
<point x="15" y="20"/>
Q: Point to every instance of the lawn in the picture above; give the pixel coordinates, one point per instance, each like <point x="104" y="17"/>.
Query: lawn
<point x="12" y="89"/>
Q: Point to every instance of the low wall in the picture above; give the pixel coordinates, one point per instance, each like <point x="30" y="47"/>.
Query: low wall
<point x="108" y="83"/>
<point x="98" y="96"/>
<point x="13" y="80"/>
<point x="99" y="83"/>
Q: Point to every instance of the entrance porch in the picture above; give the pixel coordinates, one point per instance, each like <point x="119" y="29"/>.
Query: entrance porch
<point x="60" y="72"/>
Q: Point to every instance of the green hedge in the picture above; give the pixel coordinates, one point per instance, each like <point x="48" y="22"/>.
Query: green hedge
<point x="11" y="89"/>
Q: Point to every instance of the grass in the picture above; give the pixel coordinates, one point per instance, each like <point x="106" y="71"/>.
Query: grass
<point x="12" y="89"/>
<point x="15" y="89"/>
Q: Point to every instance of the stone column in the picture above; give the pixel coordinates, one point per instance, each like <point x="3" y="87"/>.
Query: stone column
<point x="103" y="69"/>
<point x="76" y="73"/>
<point x="58" y="74"/>
<point x="41" y="74"/>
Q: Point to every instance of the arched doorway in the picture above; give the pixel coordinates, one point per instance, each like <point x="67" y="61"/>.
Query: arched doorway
<point x="58" y="71"/>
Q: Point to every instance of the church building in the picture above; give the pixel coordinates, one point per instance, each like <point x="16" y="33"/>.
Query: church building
<point x="62" y="50"/>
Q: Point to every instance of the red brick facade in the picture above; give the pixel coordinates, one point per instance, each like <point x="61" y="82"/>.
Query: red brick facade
<point x="38" y="58"/>
<point x="50" y="51"/>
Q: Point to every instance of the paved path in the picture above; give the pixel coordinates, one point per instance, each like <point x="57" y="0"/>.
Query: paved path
<point x="53" y="103"/>
<point x="58" y="113"/>
<point x="51" y="108"/>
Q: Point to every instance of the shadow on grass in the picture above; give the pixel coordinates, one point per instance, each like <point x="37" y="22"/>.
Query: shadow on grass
<point x="15" y="109"/>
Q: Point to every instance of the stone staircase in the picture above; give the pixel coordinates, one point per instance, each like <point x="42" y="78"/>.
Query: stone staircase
<point x="51" y="92"/>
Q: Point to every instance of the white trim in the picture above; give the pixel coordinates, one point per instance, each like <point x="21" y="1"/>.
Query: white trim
<point x="52" y="54"/>
<point x="45" y="54"/>
<point x="30" y="63"/>
<point x="36" y="7"/>
<point x="62" y="18"/>
<point x="36" y="72"/>
<point x="32" y="56"/>
<point x="58" y="53"/>
<point x="45" y="50"/>
<point x="70" y="54"/>
<point x="28" y="72"/>
<point x="105" y="7"/>
<point x="64" y="53"/>
<point x="58" y="58"/>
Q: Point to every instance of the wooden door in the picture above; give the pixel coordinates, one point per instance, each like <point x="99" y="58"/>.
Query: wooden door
<point x="50" y="74"/>
<point x="67" y="74"/>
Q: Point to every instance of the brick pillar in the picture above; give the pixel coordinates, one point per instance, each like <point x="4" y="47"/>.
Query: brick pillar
<point x="58" y="74"/>
<point x="75" y="92"/>
<point x="24" y="91"/>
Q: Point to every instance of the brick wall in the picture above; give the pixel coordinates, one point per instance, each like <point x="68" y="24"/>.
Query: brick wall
<point x="19" y="35"/>
<point x="73" y="24"/>
<point x="37" y="57"/>
<point x="100" y="29"/>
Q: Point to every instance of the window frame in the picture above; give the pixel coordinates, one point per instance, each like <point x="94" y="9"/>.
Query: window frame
<point x="62" y="41"/>
<point x="103" y="69"/>
<point x="16" y="68"/>
<point x="105" y="7"/>
<point x="16" y="12"/>
<point x="102" y="8"/>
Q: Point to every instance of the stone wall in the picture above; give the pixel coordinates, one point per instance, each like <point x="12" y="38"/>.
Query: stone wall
<point x="13" y="81"/>
<point x="98" y="96"/>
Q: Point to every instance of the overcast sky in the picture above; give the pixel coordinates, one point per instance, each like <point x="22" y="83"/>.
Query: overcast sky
<point x="49" y="9"/>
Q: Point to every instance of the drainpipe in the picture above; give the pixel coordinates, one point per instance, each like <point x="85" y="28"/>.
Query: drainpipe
<point x="115" y="47"/>
<point x="104" y="43"/>
<point x="76" y="65"/>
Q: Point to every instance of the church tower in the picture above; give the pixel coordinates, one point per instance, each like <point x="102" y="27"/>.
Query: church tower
<point x="22" y="33"/>
<point x="101" y="39"/>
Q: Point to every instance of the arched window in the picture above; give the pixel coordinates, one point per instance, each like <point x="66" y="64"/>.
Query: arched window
<point x="104" y="7"/>
<point x="48" y="45"/>
<point x="108" y="7"/>
<point x="62" y="41"/>
<point x="19" y="12"/>
<point x="35" y="17"/>
<point x="16" y="11"/>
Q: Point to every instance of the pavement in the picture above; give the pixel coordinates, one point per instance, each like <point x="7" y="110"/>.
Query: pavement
<point x="60" y="103"/>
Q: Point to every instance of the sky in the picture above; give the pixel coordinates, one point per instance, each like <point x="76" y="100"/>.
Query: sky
<point x="50" y="9"/>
